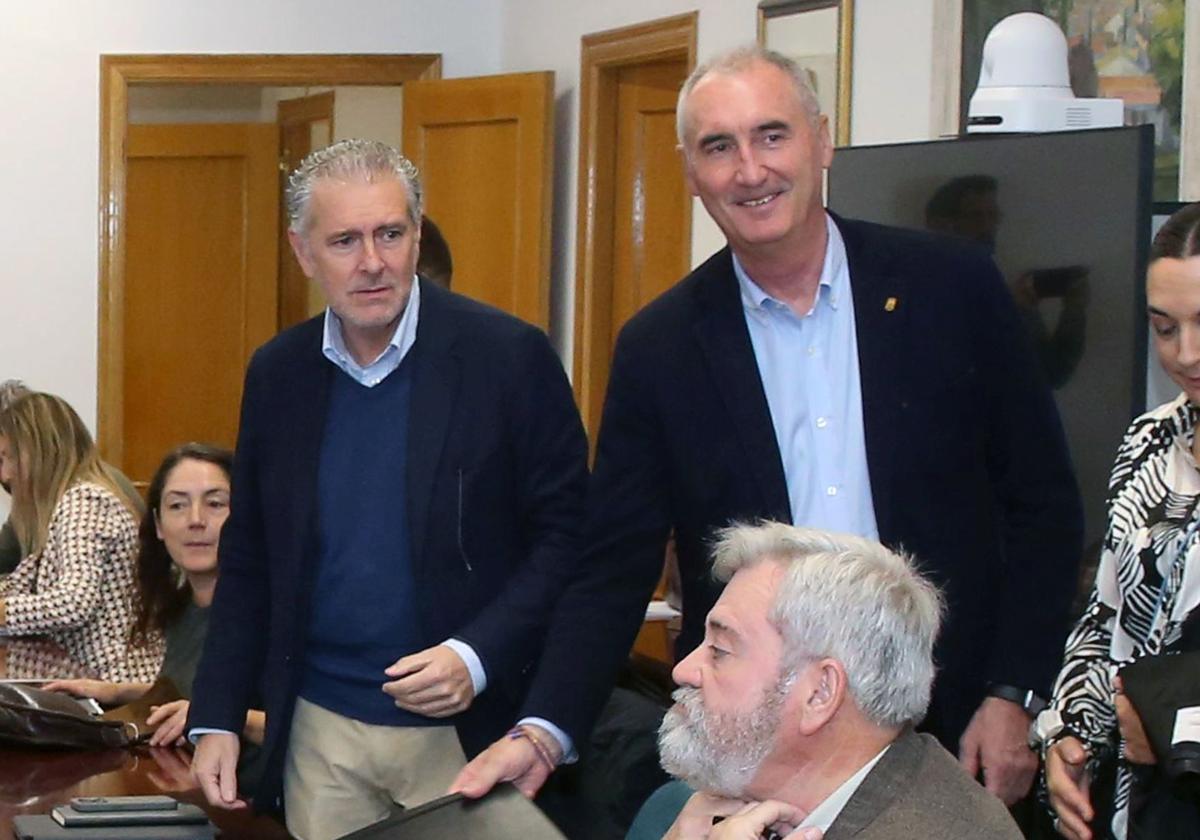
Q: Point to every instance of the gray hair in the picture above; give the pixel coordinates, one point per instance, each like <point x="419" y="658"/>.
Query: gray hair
<point x="345" y="160"/>
<point x="11" y="390"/>
<point x="850" y="599"/>
<point x="737" y="60"/>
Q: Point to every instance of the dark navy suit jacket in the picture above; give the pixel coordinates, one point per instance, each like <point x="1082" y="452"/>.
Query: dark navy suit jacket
<point x="497" y="469"/>
<point x="968" y="466"/>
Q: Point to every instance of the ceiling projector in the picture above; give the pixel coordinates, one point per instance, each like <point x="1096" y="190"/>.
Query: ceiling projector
<point x="1024" y="84"/>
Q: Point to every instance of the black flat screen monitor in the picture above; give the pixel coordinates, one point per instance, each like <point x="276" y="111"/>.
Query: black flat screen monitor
<point x="1067" y="218"/>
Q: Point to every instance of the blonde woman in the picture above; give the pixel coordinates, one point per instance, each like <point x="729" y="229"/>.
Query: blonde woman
<point x="75" y="586"/>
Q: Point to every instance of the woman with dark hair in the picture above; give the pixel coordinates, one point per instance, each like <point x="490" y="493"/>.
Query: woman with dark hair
<point x="1148" y="581"/>
<point x="188" y="503"/>
<point x="77" y="530"/>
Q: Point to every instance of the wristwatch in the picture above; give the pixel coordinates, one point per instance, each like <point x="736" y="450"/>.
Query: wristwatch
<point x="1047" y="726"/>
<point x="1027" y="699"/>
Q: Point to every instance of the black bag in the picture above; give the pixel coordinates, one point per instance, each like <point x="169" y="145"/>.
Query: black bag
<point x="1164" y="801"/>
<point x="33" y="717"/>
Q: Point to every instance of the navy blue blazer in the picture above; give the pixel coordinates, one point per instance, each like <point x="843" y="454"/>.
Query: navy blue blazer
<point x="497" y="470"/>
<point x="968" y="465"/>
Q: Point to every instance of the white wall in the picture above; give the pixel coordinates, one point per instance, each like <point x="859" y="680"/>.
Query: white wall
<point x="892" y="77"/>
<point x="49" y="148"/>
<point x="48" y="220"/>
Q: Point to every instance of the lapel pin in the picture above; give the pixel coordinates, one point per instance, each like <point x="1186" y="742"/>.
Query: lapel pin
<point x="889" y="305"/>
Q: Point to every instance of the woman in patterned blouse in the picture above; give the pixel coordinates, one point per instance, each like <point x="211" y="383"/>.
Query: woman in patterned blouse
<point x="75" y="586"/>
<point x="1147" y="584"/>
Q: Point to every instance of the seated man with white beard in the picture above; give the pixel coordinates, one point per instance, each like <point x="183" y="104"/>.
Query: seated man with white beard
<point x="797" y="710"/>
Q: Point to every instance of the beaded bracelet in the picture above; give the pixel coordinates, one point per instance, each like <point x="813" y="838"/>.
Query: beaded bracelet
<point x="538" y="746"/>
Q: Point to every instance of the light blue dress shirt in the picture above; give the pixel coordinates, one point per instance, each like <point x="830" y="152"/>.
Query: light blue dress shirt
<point x="809" y="370"/>
<point x="333" y="344"/>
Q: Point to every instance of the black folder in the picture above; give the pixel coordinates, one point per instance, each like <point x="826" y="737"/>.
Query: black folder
<point x="504" y="814"/>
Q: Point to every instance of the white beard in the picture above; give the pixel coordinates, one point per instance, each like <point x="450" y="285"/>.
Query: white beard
<point x="719" y="753"/>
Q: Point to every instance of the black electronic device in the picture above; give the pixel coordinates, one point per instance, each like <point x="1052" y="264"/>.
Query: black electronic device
<point x="124" y="803"/>
<point x="1056" y="282"/>
<point x="182" y="814"/>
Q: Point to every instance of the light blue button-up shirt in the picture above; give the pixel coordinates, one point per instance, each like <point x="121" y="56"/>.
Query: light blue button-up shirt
<point x="333" y="344"/>
<point x="809" y="370"/>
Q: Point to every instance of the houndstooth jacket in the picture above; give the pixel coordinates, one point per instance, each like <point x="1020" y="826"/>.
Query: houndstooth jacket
<point x="79" y="593"/>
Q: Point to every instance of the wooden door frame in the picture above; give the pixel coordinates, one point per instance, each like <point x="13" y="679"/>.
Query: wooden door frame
<point x="603" y="55"/>
<point x="306" y="109"/>
<point x="117" y="73"/>
<point x="301" y="111"/>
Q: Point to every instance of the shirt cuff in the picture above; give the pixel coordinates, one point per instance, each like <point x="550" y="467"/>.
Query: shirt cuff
<point x="471" y="659"/>
<point x="194" y="734"/>
<point x="569" y="756"/>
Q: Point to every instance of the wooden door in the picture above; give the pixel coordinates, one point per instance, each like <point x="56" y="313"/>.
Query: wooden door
<point x="304" y="124"/>
<point x="651" y="224"/>
<point x="651" y="201"/>
<point x="635" y="212"/>
<point x="200" y="281"/>
<point x="485" y="150"/>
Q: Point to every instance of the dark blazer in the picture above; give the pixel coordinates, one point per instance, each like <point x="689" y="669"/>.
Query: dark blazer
<point x="917" y="790"/>
<point x="497" y="468"/>
<point x="968" y="466"/>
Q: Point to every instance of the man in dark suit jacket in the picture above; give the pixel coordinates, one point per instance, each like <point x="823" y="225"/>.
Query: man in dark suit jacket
<point x="835" y="374"/>
<point x="797" y="709"/>
<point x="407" y="493"/>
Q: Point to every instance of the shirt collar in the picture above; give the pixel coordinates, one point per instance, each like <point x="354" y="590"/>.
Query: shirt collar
<point x="824" y="814"/>
<point x="830" y="287"/>
<point x="1184" y="415"/>
<point x="333" y="341"/>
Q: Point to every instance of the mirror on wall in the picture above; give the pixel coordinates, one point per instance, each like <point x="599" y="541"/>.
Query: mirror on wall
<point x="818" y="34"/>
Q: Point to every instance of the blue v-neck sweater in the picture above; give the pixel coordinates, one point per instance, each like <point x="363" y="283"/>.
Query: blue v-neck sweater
<point x="364" y="614"/>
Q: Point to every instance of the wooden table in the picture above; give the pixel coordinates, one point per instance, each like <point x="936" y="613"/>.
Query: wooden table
<point x="32" y="781"/>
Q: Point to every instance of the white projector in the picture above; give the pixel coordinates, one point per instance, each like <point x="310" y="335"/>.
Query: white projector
<point x="1024" y="84"/>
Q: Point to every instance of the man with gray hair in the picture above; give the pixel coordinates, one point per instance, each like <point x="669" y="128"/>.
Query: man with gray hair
<point x="406" y="494"/>
<point x="834" y="374"/>
<point x="797" y="710"/>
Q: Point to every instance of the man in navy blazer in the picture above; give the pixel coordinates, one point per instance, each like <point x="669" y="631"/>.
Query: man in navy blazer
<point x="407" y="495"/>
<point x="838" y="375"/>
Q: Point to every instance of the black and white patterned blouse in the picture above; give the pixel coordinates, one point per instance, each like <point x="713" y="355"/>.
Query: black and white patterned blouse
<point x="1147" y="583"/>
<point x="78" y="591"/>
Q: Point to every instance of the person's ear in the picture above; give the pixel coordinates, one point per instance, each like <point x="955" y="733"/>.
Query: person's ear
<point x="689" y="178"/>
<point x="300" y="248"/>
<point x="824" y="141"/>
<point x="823" y="690"/>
